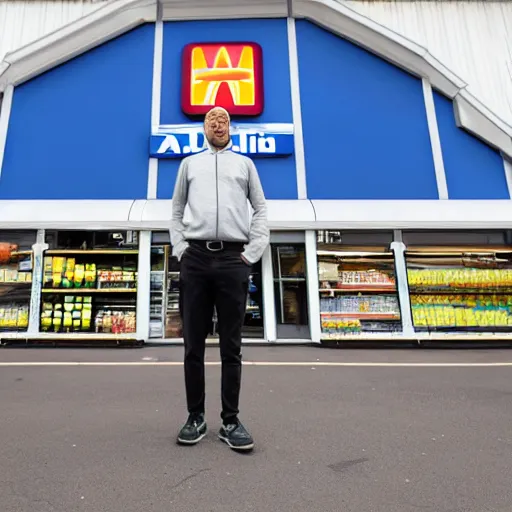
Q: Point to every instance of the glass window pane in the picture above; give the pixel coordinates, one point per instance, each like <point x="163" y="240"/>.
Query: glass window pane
<point x="357" y="291"/>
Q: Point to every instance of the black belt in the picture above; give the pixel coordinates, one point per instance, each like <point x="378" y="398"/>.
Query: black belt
<point x="217" y="246"/>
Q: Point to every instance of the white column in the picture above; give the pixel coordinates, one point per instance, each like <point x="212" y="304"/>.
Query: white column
<point x="156" y="99"/>
<point x="5" y="114"/>
<point x="312" y="285"/>
<point x="403" y="288"/>
<point x="143" y="285"/>
<point x="37" y="278"/>
<point x="269" y="304"/>
<point x="300" y="161"/>
<point x="435" y="141"/>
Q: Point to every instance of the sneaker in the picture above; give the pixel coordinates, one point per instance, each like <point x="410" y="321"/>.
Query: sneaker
<point x="193" y="431"/>
<point x="236" y="437"/>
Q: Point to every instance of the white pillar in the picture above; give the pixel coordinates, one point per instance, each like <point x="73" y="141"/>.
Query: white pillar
<point x="143" y="285"/>
<point x="269" y="304"/>
<point x="312" y="286"/>
<point x="403" y="288"/>
<point x="37" y="278"/>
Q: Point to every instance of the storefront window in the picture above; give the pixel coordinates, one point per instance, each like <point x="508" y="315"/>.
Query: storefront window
<point x="358" y="293"/>
<point x="290" y="290"/>
<point x="15" y="279"/>
<point x="461" y="288"/>
<point x="89" y="282"/>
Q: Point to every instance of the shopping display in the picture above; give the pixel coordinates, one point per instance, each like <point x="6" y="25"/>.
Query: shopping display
<point x="89" y="291"/>
<point x="74" y="314"/>
<point x="66" y="273"/>
<point x="357" y="296"/>
<point x="451" y="295"/>
<point x="14" y="317"/>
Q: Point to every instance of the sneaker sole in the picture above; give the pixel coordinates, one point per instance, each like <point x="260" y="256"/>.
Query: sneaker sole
<point x="244" y="448"/>
<point x="188" y="442"/>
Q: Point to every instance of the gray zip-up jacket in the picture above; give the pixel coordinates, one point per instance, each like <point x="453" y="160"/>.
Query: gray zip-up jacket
<point x="210" y="202"/>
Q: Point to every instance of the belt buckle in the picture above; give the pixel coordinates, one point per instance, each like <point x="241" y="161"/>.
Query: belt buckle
<point x="212" y="249"/>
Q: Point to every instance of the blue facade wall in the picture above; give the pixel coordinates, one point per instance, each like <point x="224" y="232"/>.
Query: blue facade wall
<point x="473" y="169"/>
<point x="364" y="123"/>
<point x="277" y="174"/>
<point x="81" y="130"/>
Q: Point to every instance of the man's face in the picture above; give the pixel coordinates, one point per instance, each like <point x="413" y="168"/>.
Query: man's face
<point x="216" y="127"/>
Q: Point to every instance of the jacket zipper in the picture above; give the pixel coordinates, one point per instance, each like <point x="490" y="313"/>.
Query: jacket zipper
<point x="217" y="188"/>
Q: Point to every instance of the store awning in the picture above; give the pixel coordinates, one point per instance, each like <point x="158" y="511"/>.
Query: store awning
<point x="283" y="214"/>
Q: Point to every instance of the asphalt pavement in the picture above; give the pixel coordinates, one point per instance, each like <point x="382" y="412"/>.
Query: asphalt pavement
<point x="343" y="430"/>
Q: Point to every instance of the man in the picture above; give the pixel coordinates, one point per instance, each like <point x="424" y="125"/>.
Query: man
<point x="213" y="235"/>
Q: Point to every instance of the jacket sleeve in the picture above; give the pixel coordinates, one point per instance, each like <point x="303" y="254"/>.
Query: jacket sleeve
<point x="259" y="233"/>
<point x="179" y="201"/>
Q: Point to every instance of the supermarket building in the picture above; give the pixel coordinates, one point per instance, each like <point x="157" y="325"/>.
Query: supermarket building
<point x="389" y="183"/>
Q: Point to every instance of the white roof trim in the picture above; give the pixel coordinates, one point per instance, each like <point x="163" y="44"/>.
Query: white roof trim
<point x="120" y="16"/>
<point x="154" y="214"/>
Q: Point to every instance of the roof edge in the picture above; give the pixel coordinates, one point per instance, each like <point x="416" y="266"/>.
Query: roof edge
<point x="120" y="16"/>
<point x="75" y="38"/>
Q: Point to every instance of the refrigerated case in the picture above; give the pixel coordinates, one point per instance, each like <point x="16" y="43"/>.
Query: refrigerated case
<point x="357" y="286"/>
<point x="89" y="283"/>
<point x="16" y="279"/>
<point x="460" y="289"/>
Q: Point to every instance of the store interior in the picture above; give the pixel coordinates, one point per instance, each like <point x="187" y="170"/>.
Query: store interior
<point x="89" y="282"/>
<point x="454" y="283"/>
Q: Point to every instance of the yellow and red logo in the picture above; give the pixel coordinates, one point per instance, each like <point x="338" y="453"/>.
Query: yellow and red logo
<point x="228" y="75"/>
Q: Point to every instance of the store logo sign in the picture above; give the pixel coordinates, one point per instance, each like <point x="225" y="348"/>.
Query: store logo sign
<point x="254" y="140"/>
<point x="228" y="75"/>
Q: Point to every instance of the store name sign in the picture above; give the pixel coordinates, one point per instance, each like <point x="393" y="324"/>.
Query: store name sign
<point x="254" y="140"/>
<point x="228" y="75"/>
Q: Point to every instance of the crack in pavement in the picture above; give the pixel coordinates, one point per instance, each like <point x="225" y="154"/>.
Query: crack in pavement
<point x="187" y="478"/>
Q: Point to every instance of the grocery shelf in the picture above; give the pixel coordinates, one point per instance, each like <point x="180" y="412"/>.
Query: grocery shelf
<point x="459" y="291"/>
<point x="364" y="316"/>
<point x="86" y="291"/>
<point x="377" y="288"/>
<point x="91" y="251"/>
<point x="28" y="284"/>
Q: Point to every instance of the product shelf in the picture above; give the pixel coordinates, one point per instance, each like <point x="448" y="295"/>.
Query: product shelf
<point x="363" y="315"/>
<point x="358" y="292"/>
<point x="461" y="290"/>
<point x="86" y="291"/>
<point x="90" y="291"/>
<point x="58" y="252"/>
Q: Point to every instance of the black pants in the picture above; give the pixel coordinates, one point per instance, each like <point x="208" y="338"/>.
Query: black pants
<point x="209" y="279"/>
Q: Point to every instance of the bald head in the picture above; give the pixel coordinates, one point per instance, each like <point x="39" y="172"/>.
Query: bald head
<point x="216" y="127"/>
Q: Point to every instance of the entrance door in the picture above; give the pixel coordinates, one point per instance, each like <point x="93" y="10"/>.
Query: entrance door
<point x="290" y="290"/>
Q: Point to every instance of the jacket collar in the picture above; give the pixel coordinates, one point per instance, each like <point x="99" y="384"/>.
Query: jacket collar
<point x="212" y="150"/>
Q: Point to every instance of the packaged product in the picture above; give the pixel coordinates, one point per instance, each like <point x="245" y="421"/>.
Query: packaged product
<point x="79" y="275"/>
<point x="68" y="320"/>
<point x="90" y="275"/>
<point x="70" y="268"/>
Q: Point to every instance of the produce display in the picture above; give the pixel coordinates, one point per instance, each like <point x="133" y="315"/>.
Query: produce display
<point x="387" y="304"/>
<point x="60" y="272"/>
<point x="335" y="327"/>
<point x="72" y="315"/>
<point x="114" y="322"/>
<point x="462" y="310"/>
<point x="472" y="298"/>
<point x="14" y="316"/>
<point x="473" y="278"/>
